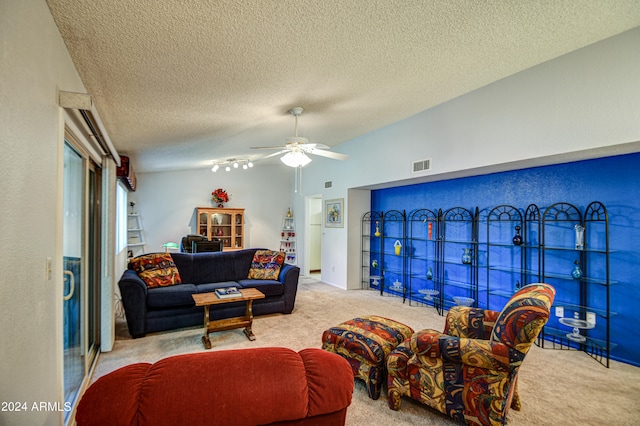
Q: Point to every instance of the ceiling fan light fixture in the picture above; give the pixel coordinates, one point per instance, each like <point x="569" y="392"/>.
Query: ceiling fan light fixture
<point x="226" y="169"/>
<point x="295" y="159"/>
<point x="215" y="168"/>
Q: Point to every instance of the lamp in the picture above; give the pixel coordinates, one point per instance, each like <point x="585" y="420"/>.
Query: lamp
<point x="295" y="159"/>
<point x="170" y="245"/>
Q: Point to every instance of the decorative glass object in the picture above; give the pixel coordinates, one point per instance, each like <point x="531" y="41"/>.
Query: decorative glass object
<point x="397" y="247"/>
<point x="517" y="239"/>
<point x="377" y="234"/>
<point x="396" y="286"/>
<point x="463" y="301"/>
<point x="428" y="294"/>
<point x="577" y="325"/>
<point x="429" y="273"/>
<point x="577" y="272"/>
<point x="579" y="237"/>
<point x="466" y="256"/>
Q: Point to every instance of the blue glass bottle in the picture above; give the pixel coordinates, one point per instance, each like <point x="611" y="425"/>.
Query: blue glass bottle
<point x="577" y="272"/>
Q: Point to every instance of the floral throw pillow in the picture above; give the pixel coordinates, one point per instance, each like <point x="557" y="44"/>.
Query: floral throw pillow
<point x="266" y="265"/>
<point x="156" y="269"/>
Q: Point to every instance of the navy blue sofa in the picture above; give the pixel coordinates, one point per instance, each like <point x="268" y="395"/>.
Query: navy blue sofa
<point x="149" y="310"/>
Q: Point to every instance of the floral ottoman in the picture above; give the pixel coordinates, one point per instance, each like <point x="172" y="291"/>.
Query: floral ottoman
<point x="366" y="342"/>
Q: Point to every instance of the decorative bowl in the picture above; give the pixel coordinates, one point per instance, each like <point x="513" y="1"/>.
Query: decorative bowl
<point x="428" y="294"/>
<point x="463" y="301"/>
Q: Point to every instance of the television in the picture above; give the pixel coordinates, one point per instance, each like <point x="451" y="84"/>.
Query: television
<point x="206" y="246"/>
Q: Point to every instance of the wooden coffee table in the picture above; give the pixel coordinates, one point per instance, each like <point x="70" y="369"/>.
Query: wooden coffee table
<point x="209" y="299"/>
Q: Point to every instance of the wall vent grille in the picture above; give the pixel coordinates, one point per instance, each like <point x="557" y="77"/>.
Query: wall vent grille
<point x="421" y="165"/>
<point x="328" y="184"/>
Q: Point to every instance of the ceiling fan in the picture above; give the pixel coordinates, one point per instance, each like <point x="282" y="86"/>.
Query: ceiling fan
<point x="296" y="148"/>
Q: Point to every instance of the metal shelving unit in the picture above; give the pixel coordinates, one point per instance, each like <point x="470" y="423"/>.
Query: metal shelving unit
<point x="424" y="286"/>
<point x="582" y="305"/>
<point x="504" y="258"/>
<point x="458" y="278"/>
<point x="371" y="250"/>
<point x="393" y="261"/>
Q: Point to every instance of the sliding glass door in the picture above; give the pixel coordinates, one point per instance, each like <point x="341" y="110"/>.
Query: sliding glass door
<point x="81" y="249"/>
<point x="73" y="251"/>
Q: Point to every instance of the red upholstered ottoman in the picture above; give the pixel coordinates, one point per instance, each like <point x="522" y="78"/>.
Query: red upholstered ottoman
<point x="366" y="342"/>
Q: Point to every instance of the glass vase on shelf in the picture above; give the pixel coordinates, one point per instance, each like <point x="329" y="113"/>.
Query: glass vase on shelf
<point x="577" y="272"/>
<point x="579" y="237"/>
<point x="466" y="256"/>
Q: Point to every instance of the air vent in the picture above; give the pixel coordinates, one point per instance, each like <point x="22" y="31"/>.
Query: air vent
<point x="328" y="184"/>
<point x="421" y="165"/>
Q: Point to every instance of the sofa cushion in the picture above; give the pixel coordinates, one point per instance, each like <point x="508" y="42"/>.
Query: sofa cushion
<point x="212" y="267"/>
<point x="267" y="287"/>
<point x="172" y="296"/>
<point x="156" y="269"/>
<point x="266" y="265"/>
<point x="281" y="386"/>
<point x="184" y="262"/>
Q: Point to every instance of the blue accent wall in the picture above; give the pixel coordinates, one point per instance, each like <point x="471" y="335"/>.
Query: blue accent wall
<point x="614" y="181"/>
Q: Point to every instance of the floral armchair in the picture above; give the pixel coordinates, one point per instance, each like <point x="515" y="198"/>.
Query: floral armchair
<point x="469" y="371"/>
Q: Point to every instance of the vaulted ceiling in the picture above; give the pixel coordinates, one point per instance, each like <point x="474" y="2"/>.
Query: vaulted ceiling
<point x="181" y="84"/>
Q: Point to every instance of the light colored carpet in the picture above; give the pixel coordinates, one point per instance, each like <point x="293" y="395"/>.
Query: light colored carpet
<point x="556" y="387"/>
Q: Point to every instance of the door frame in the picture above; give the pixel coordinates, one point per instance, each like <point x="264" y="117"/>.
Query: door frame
<point x="307" y="233"/>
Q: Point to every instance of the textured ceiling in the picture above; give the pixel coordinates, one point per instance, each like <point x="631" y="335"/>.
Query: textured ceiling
<point x="181" y="84"/>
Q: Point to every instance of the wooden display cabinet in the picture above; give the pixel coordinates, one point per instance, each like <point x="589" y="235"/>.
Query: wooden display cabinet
<point x="226" y="224"/>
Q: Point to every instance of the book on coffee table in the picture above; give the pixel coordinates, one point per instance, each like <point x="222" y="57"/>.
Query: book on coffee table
<point x="228" y="292"/>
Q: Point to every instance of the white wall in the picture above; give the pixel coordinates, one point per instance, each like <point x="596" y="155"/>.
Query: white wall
<point x="34" y="64"/>
<point x="582" y="105"/>
<point x="166" y="202"/>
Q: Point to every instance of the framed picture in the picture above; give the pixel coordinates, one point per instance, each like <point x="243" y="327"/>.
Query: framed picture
<point x="334" y="213"/>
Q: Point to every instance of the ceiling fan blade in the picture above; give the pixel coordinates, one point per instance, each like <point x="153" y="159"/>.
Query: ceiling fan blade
<point x="276" y="153"/>
<point x="268" y="147"/>
<point x="311" y="146"/>
<point x="329" y="154"/>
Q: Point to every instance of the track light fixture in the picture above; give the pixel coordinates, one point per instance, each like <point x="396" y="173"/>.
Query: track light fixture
<point x="232" y="162"/>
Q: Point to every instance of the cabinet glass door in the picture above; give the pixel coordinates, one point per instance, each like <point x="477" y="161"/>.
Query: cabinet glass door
<point x="238" y="231"/>
<point x="221" y="228"/>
